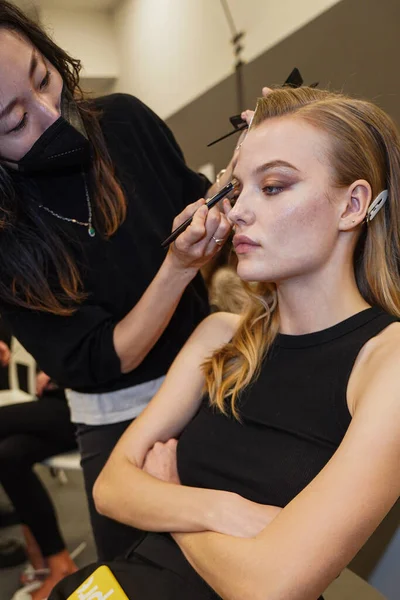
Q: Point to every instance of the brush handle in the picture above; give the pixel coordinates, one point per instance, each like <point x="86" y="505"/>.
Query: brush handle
<point x="212" y="202"/>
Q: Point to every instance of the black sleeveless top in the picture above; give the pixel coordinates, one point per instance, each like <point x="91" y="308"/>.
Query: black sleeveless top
<point x="293" y="417"/>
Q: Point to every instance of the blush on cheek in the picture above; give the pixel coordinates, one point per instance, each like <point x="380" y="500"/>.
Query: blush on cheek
<point x="283" y="225"/>
<point x="301" y="230"/>
<point x="312" y="212"/>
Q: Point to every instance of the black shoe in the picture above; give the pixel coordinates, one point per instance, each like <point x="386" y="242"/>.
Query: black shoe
<point x="8" y="517"/>
<point x="12" y="554"/>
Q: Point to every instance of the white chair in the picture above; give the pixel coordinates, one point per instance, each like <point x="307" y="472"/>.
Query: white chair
<point x="15" y="395"/>
<point x="59" y="464"/>
<point x="69" y="461"/>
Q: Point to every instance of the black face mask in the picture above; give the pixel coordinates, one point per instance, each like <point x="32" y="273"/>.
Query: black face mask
<point x="63" y="145"/>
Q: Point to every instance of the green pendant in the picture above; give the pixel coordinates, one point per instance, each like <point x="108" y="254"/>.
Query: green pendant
<point x="91" y="231"/>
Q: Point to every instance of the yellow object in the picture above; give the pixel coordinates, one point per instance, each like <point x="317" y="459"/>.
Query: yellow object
<point x="101" y="585"/>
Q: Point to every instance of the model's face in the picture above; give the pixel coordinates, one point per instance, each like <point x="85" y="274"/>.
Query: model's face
<point x="30" y="95"/>
<point x="287" y="204"/>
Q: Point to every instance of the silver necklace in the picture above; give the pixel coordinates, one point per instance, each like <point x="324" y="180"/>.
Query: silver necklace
<point x="88" y="224"/>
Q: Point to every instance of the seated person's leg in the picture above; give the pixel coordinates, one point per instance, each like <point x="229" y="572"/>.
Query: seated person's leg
<point x="44" y="430"/>
<point x="33" y="504"/>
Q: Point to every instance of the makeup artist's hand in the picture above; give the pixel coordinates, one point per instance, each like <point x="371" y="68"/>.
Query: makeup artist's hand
<point x="226" y="177"/>
<point x="160" y="462"/>
<point x="203" y="238"/>
<point x="247" y="115"/>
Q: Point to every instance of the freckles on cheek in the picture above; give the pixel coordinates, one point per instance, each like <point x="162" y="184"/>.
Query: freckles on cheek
<point x="312" y="212"/>
<point x="297" y="226"/>
<point x="284" y="224"/>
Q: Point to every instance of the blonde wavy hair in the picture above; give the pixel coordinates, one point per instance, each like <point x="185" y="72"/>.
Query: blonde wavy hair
<point x="364" y="144"/>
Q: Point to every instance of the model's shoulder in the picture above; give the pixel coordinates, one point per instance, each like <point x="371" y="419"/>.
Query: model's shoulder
<point x="376" y="368"/>
<point x="217" y="329"/>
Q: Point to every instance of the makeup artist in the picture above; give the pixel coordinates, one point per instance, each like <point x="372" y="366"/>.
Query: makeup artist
<point x="88" y="190"/>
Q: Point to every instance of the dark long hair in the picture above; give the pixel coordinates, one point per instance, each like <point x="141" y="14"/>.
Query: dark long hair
<point x="29" y="249"/>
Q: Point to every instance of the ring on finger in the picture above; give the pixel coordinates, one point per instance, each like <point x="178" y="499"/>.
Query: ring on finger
<point x="218" y="241"/>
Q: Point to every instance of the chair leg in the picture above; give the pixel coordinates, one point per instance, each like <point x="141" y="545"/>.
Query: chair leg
<point x="75" y="553"/>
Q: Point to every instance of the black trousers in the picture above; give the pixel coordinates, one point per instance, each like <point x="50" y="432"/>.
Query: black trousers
<point x="95" y="444"/>
<point x="155" y="569"/>
<point x="29" y="433"/>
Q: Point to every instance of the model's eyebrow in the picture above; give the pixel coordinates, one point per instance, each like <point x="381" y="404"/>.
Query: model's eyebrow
<point x="271" y="165"/>
<point x="32" y="68"/>
<point x="33" y="63"/>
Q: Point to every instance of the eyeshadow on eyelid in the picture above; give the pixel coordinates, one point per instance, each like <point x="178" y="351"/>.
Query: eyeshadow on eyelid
<point x="278" y="182"/>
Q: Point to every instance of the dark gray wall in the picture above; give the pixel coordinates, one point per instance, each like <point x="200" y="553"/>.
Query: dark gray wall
<point x="353" y="47"/>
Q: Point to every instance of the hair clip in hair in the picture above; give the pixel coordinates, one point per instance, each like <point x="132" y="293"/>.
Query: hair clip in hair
<point x="376" y="205"/>
<point x="294" y="80"/>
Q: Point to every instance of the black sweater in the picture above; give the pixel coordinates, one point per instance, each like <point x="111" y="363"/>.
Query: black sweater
<point x="78" y="351"/>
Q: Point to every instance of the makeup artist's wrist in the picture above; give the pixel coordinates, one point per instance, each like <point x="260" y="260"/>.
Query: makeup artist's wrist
<point x="177" y="270"/>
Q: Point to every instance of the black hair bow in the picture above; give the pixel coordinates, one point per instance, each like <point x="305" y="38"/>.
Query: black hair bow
<point x="294" y="80"/>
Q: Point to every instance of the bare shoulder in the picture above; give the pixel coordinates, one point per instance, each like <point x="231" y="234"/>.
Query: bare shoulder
<point x="220" y="326"/>
<point x="381" y="350"/>
<point x="385" y="352"/>
<point x="377" y="367"/>
<point x="216" y="330"/>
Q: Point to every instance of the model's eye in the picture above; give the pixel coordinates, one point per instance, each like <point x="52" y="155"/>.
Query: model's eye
<point x="45" y="81"/>
<point x="20" y="125"/>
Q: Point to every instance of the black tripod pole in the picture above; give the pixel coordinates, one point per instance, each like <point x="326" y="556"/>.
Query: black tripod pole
<point x="239" y="85"/>
<point x="237" y="37"/>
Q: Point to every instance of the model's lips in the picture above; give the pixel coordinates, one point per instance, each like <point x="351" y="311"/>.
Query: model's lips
<point x="242" y="243"/>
